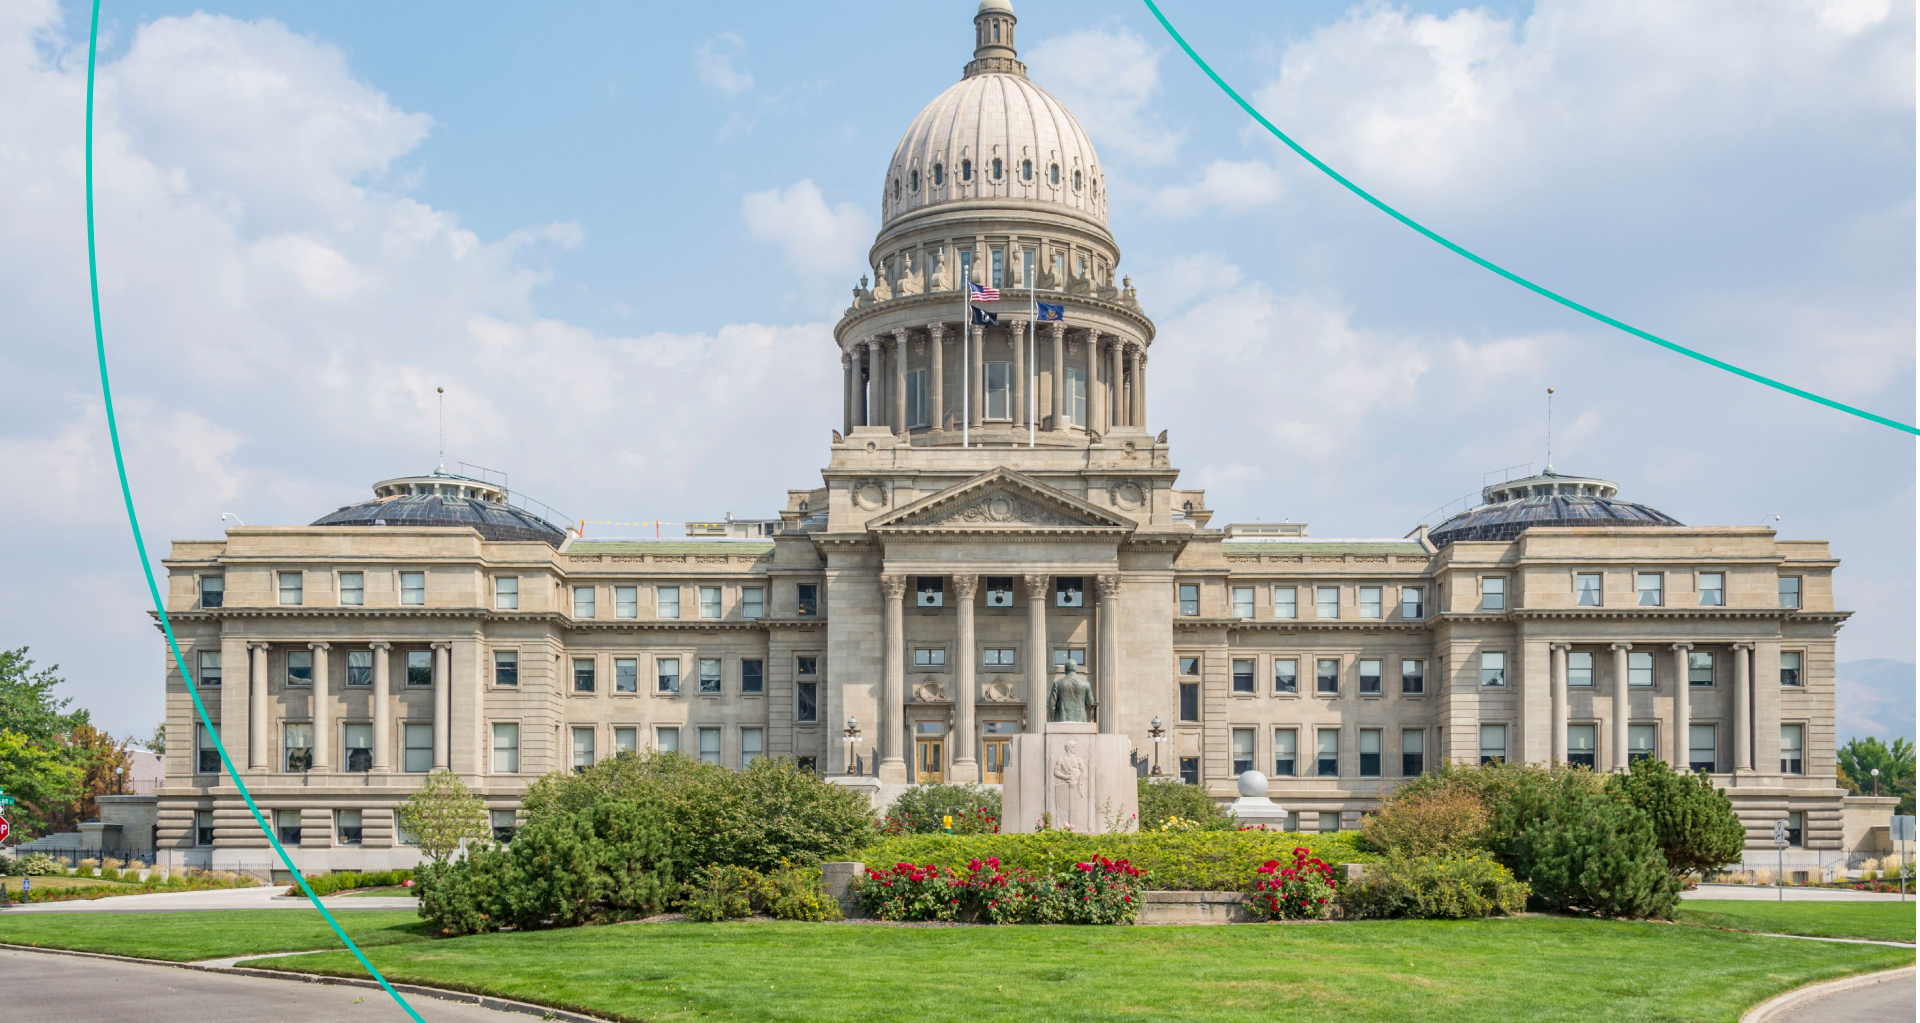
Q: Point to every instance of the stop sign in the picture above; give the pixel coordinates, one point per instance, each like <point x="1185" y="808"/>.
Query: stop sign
<point x="4" y="829"/>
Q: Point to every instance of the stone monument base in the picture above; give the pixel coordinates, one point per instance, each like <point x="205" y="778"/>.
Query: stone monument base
<point x="1072" y="775"/>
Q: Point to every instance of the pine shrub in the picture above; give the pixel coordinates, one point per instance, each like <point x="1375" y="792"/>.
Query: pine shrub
<point x="1693" y="822"/>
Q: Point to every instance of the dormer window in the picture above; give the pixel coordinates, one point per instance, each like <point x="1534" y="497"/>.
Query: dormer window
<point x="1076" y="181"/>
<point x="896" y="188"/>
<point x="939" y="175"/>
<point x="966" y="170"/>
<point x="1053" y="175"/>
<point x="913" y="180"/>
<point x="996" y="168"/>
<point x="1026" y="170"/>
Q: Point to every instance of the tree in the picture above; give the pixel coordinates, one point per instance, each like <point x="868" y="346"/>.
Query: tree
<point x="1693" y="822"/>
<point x="1860" y="756"/>
<point x="1164" y="798"/>
<point x="41" y="781"/>
<point x="441" y="813"/>
<point x="158" y="743"/>
<point x="27" y="704"/>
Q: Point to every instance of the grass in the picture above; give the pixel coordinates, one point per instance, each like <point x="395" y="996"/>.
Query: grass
<point x="1881" y="921"/>
<point x="390" y="892"/>
<point x="1514" y="970"/>
<point x="58" y="882"/>
<point x="185" y="937"/>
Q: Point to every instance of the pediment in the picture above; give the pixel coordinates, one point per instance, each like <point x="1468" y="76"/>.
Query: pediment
<point x="1001" y="500"/>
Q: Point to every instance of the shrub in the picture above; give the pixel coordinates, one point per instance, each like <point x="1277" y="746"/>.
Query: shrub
<point x="347" y="880"/>
<point x="908" y="891"/>
<point x="1455" y="886"/>
<point x="1693" y="822"/>
<point x="1584" y="851"/>
<point x="921" y="809"/>
<point x="1163" y="799"/>
<point x="1303" y="891"/>
<point x="720" y="892"/>
<point x="89" y="867"/>
<point x="441" y="813"/>
<point x="38" y="865"/>
<point x="1428" y="822"/>
<point x="1100" y="891"/>
<point x="1185" y="861"/>
<point x="795" y="893"/>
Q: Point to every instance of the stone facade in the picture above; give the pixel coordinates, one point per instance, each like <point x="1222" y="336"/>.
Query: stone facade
<point x="993" y="504"/>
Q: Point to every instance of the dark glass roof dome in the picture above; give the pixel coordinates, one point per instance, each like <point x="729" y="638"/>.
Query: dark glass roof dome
<point x="1548" y="499"/>
<point x="446" y="500"/>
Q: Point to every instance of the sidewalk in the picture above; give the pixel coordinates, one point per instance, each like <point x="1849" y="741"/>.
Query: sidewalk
<point x="1767" y="893"/>
<point x="268" y="897"/>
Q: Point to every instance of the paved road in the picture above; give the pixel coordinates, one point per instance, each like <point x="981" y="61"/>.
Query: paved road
<point x="40" y="986"/>
<point x="1767" y="893"/>
<point x="1891" y="1002"/>
<point x="227" y="898"/>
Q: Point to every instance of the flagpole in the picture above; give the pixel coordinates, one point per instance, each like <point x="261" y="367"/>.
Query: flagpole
<point x="966" y="358"/>
<point x="1033" y="368"/>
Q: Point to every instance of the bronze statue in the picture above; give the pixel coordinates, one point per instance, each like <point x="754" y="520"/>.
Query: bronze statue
<point x="1071" y="698"/>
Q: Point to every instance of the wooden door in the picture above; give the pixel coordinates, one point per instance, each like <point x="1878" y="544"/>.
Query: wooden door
<point x="994" y="768"/>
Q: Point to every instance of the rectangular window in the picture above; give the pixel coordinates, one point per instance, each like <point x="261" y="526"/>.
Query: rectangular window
<point x="209" y="667"/>
<point x="666" y="740"/>
<point x="1580" y="745"/>
<point x="1651" y="587"/>
<point x="506" y="667"/>
<point x="1326" y="601"/>
<point x="1639" y="669"/>
<point x="668" y="669"/>
<point x="807" y="599"/>
<point x="1286" y="602"/>
<point x="1580" y="669"/>
<point x="1493" y="669"/>
<point x="1189" y="665"/>
<point x="753" y="675"/>
<point x="917" y="398"/>
<point x="626" y="674"/>
<point x="583" y="602"/>
<point x="359" y="746"/>
<point x="1329" y="822"/>
<point x="710" y="745"/>
<point x="626" y="740"/>
<point x="1701" y="748"/>
<point x="1077" y="396"/>
<point x="206" y="757"/>
<point x="419" y="668"/>
<point x="626" y="601"/>
<point x="583" y="680"/>
<point x="1286" y="675"/>
<point x="1713" y="589"/>
<point x="213" y="590"/>
<point x="929" y="591"/>
<point x="1369" y="752"/>
<point x="413" y="588"/>
<point x="1243" y="677"/>
<point x="807" y="701"/>
<point x="1796" y="828"/>
<point x="1413" y="677"/>
<point x="416" y="748"/>
<point x="1789" y="591"/>
<point x="1370" y="602"/>
<point x="1189" y="701"/>
<point x="1791" y="740"/>
<point x="1243" y="602"/>
<point x="1370" y="677"/>
<point x="506" y="747"/>
<point x="1493" y="744"/>
<point x="359" y="667"/>
<point x="999" y="591"/>
<point x="1284" y="751"/>
<point x="353" y="593"/>
<point x="667" y="602"/>
<point x="503" y="823"/>
<point x="203" y="828"/>
<point x="287" y="823"/>
<point x="996" y="657"/>
<point x="1326" y="675"/>
<point x="1190" y="770"/>
<point x="292" y="590"/>
<point x="710" y="602"/>
<point x="506" y="592"/>
<point x="1586" y="589"/>
<point x="806" y="667"/>
<point x="1493" y="593"/>
<point x="709" y="675"/>
<point x="582" y="749"/>
<point x="1413" y="753"/>
<point x="999" y="265"/>
<point x="299" y="746"/>
<point x="752" y="746"/>
<point x="1242" y="751"/>
<point x="299" y="667"/>
<point x="753" y="602"/>
<point x="999" y="390"/>
<point x="1077" y="654"/>
<point x="1790" y="667"/>
<point x="1329" y="763"/>
<point x="1640" y="740"/>
<point x="1068" y="592"/>
<point x="1189" y="600"/>
<point x="929" y="657"/>
<point x="1413" y="602"/>
<point x="1700" y="668"/>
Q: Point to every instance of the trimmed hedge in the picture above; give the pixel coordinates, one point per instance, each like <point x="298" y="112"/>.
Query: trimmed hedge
<point x="1217" y="861"/>
<point x="346" y="880"/>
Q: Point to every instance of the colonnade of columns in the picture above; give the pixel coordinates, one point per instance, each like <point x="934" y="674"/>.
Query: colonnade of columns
<point x="1680" y="739"/>
<point x="252" y="711"/>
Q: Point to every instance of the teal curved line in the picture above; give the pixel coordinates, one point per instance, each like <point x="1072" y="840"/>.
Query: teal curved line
<point x="1496" y="268"/>
<point x="139" y="545"/>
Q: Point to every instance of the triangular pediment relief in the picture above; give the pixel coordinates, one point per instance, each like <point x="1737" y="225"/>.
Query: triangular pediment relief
<point x="1001" y="499"/>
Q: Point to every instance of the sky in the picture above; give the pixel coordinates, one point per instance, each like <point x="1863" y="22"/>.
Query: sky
<point x="619" y="236"/>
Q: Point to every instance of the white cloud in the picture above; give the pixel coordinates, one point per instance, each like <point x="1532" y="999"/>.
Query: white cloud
<point x="1187" y="278"/>
<point x="1231" y="185"/>
<point x="818" y="240"/>
<point x="713" y="63"/>
<point x="1107" y="78"/>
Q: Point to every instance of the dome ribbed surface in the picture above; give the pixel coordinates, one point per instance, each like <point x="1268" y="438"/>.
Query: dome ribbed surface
<point x="1506" y="520"/>
<point x="494" y="521"/>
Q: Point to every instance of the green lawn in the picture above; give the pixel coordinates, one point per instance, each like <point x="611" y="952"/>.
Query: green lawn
<point x="1883" y="921"/>
<point x="1516" y="970"/>
<point x="58" y="882"/>
<point x="184" y="937"/>
<point x="390" y="892"/>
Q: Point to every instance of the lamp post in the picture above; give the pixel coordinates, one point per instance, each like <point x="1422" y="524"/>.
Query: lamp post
<point x="1158" y="734"/>
<point x="1876" y="780"/>
<point x="120" y="781"/>
<point x="851" y="736"/>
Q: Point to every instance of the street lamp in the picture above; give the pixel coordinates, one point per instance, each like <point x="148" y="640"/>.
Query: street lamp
<point x="851" y="736"/>
<point x="1876" y="781"/>
<point x="120" y="781"/>
<point x="1158" y="734"/>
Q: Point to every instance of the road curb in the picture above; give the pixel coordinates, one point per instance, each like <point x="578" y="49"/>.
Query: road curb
<point x="1777" y="1006"/>
<point x="444" y="994"/>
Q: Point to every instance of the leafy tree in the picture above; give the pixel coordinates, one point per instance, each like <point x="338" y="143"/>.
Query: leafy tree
<point x="920" y="810"/>
<point x="1860" y="756"/>
<point x="441" y="813"/>
<point x="1693" y="822"/>
<point x="27" y="703"/>
<point x="99" y="757"/>
<point x="158" y="743"/>
<point x="1161" y="799"/>
<point x="42" y="782"/>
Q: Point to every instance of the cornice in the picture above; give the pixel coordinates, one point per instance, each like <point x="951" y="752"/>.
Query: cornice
<point x="941" y="305"/>
<point x="490" y="615"/>
<point x="1297" y="625"/>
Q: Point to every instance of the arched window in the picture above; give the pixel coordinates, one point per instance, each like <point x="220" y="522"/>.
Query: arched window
<point x="1053" y="175"/>
<point x="1026" y="170"/>
<point x="996" y="31"/>
<point x="913" y="179"/>
<point x="996" y="168"/>
<point x="966" y="170"/>
<point x="939" y="175"/>
<point x="1076" y="181"/>
<point x="896" y="188"/>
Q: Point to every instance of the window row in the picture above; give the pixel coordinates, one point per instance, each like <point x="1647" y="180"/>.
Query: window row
<point x="998" y="591"/>
<point x="1369" y="673"/>
<point x="1701" y="667"/>
<point x="667" y="603"/>
<point x="416" y="668"/>
<point x="1370" y="602"/>
<point x="1326" y="761"/>
<point x="995" y="167"/>
<point x="750" y="746"/>
<point x="350" y="588"/>
<point x="347" y="824"/>
<point x="1649" y="590"/>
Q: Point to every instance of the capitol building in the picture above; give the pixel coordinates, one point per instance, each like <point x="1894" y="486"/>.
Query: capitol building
<point x="997" y="502"/>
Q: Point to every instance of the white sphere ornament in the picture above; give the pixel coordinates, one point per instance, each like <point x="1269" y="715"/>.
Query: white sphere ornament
<point x="1253" y="783"/>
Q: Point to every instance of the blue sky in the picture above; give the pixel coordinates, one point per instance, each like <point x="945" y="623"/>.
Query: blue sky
<point x="620" y="237"/>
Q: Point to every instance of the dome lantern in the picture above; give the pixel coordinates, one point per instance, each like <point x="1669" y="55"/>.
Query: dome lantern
<point x="993" y="51"/>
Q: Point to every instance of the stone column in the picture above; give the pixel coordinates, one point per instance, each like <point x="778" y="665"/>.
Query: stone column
<point x="1109" y="687"/>
<point x="850" y="377"/>
<point x="965" y="768"/>
<point x="322" y="710"/>
<point x="900" y="382"/>
<point x="937" y="375"/>
<point x="1742" y="707"/>
<point x="1039" y="658"/>
<point x="1136" y="405"/>
<point x="1018" y="392"/>
<point x="1559" y="684"/>
<point x="1682" y="708"/>
<point x="382" y="709"/>
<point x="442" y="703"/>
<point x="893" y="717"/>
<point x="257" y="716"/>
<point x="1059" y="390"/>
<point x="1140" y="390"/>
<point x="1617" y="761"/>
<point x="977" y="387"/>
<point x="1117" y="379"/>
<point x="862" y="359"/>
<point x="236" y="703"/>
<point x="1096" y="394"/>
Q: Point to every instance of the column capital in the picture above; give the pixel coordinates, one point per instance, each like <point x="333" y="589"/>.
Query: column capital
<point x="1620" y="646"/>
<point x="900" y="335"/>
<point x="259" y="644"/>
<point x="1037" y="585"/>
<point x="979" y="332"/>
<point x="1560" y="646"/>
<point x="1742" y="646"/>
<point x="1017" y="325"/>
<point x="937" y="331"/>
<point x="1682" y="647"/>
<point x="446" y="645"/>
<point x="894" y="585"/>
<point x="846" y="359"/>
<point x="319" y="646"/>
<point x="966" y="586"/>
<point x="1058" y="330"/>
<point x="380" y="644"/>
<point x="870" y="341"/>
<point x="1109" y="587"/>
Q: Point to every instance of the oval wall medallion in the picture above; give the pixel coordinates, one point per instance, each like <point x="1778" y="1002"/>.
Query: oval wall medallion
<point x="1129" y="496"/>
<point x="870" y="494"/>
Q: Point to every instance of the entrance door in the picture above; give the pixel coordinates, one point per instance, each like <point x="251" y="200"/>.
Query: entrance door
<point x="928" y="763"/>
<point x="994" y="769"/>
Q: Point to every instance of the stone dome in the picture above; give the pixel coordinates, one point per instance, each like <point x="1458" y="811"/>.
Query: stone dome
<point x="1548" y="499"/>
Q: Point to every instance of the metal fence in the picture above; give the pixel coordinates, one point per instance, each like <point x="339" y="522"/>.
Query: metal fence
<point x="71" y="858"/>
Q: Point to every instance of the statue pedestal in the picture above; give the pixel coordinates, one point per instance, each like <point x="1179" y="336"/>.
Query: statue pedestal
<point x="1072" y="773"/>
<point x="1253" y="806"/>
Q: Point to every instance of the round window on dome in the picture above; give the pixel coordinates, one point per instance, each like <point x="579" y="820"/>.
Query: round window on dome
<point x="939" y="175"/>
<point x="966" y="170"/>
<point x="1026" y="170"/>
<point x="996" y="168"/>
<point x="1076" y="181"/>
<point x="1053" y="175"/>
<point x="913" y="179"/>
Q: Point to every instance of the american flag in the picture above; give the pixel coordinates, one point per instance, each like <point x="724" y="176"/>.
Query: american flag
<point x="984" y="294"/>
